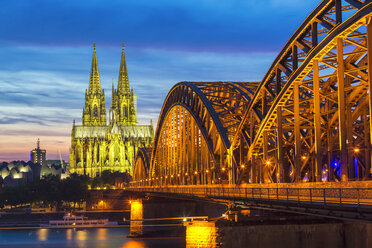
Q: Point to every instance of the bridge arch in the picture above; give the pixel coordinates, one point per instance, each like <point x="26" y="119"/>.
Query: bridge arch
<point x="314" y="101"/>
<point x="309" y="119"/>
<point x="199" y="118"/>
<point x="141" y="166"/>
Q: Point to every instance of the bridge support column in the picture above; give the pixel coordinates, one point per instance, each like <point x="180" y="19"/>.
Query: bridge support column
<point x="341" y="110"/>
<point x="369" y="54"/>
<point x="296" y="98"/>
<point x="318" y="154"/>
<point x="136" y="216"/>
<point x="253" y="170"/>
<point x="264" y="176"/>
<point x="280" y="162"/>
<point x="279" y="137"/>
<point x="201" y="234"/>
<point x="231" y="166"/>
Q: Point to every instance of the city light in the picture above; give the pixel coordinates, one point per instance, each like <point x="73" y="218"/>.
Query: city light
<point x="268" y="162"/>
<point x="242" y="166"/>
<point x="356" y="150"/>
<point x="303" y="157"/>
<point x="223" y="169"/>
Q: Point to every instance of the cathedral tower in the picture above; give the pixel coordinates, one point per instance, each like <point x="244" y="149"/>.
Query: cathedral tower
<point x="123" y="101"/>
<point x="94" y="112"/>
<point x="98" y="147"/>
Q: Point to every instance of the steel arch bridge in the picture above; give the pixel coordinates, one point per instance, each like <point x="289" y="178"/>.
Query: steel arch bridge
<point x="309" y="119"/>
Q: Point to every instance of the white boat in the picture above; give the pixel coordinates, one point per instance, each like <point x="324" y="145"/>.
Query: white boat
<point x="71" y="220"/>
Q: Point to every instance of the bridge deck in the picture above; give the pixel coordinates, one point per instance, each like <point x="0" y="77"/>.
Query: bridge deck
<point x="341" y="201"/>
<point x="338" y="196"/>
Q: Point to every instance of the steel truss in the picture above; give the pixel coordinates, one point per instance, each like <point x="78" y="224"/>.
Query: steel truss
<point x="307" y="120"/>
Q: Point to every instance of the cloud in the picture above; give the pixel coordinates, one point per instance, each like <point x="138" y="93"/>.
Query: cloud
<point x="223" y="25"/>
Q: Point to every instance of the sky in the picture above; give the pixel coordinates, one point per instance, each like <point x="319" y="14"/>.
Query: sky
<point x="46" y="52"/>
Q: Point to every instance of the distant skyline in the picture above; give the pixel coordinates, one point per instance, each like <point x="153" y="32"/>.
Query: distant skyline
<point x="46" y="51"/>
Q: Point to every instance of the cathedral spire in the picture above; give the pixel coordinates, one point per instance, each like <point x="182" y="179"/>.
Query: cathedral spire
<point x="94" y="113"/>
<point x="94" y="82"/>
<point x="113" y="100"/>
<point x="123" y="83"/>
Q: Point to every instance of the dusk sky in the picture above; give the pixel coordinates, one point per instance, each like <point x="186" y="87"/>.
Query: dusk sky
<point x="46" y="52"/>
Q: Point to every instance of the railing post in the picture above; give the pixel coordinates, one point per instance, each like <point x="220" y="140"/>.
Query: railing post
<point x="260" y="193"/>
<point x="277" y="193"/>
<point x="311" y="201"/>
<point x="324" y="197"/>
<point x="298" y="196"/>
<point x="340" y="197"/>
<point x="287" y="194"/>
<point x="358" y="199"/>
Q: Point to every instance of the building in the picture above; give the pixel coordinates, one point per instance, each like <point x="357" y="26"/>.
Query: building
<point x="53" y="167"/>
<point x="97" y="146"/>
<point x="19" y="172"/>
<point x="38" y="156"/>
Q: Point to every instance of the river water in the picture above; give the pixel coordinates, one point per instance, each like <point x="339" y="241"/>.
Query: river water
<point x="80" y="238"/>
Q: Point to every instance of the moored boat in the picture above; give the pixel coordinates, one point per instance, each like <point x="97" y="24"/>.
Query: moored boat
<point x="72" y="220"/>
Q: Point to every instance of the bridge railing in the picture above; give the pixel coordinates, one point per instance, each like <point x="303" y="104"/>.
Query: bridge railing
<point x="324" y="196"/>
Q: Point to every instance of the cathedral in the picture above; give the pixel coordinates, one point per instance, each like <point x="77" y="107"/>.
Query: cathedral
<point x="97" y="146"/>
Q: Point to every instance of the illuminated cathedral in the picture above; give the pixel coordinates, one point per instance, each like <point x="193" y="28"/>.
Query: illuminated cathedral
<point x="97" y="146"/>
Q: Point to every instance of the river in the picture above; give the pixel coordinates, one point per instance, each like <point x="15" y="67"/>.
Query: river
<point x="80" y="238"/>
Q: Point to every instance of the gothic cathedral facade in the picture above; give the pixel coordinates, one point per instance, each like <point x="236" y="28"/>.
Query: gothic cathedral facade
<point x="97" y="146"/>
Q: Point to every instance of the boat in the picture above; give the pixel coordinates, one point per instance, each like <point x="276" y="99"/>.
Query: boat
<point x="72" y="220"/>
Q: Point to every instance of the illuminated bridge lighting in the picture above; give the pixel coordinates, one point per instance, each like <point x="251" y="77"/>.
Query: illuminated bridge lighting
<point x="310" y="111"/>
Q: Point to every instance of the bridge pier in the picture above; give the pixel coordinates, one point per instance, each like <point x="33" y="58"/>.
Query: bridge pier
<point x="147" y="212"/>
<point x="136" y="216"/>
<point x="224" y="233"/>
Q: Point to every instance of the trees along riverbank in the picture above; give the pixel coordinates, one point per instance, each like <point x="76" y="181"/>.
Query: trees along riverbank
<point x="53" y="192"/>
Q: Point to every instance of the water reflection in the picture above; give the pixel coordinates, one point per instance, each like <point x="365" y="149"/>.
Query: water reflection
<point x="134" y="244"/>
<point x="76" y="238"/>
<point x="42" y="234"/>
<point x="102" y="234"/>
<point x="69" y="233"/>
